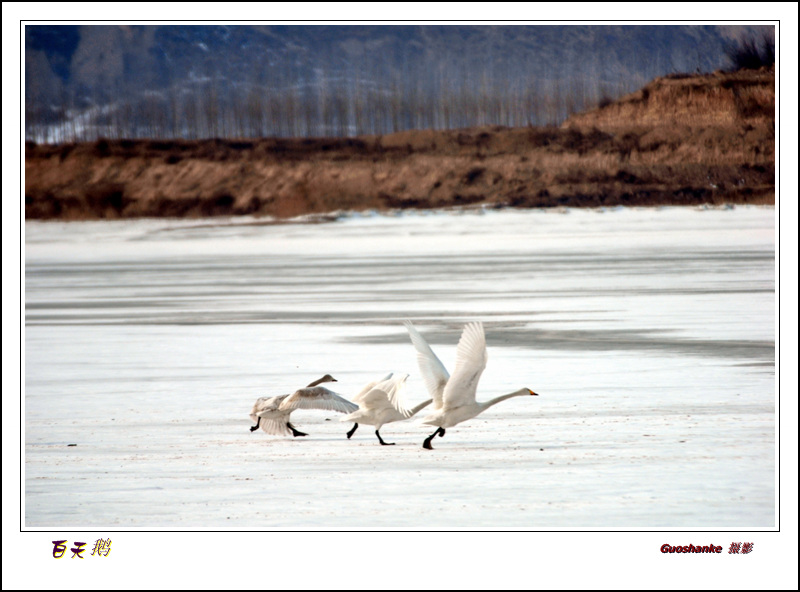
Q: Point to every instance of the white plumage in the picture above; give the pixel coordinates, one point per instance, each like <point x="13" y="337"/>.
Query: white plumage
<point x="454" y="396"/>
<point x="272" y="414"/>
<point x="381" y="403"/>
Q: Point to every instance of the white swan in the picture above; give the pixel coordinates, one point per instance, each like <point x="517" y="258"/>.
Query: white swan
<point x="454" y="396"/>
<point x="382" y="403"/>
<point x="272" y="413"/>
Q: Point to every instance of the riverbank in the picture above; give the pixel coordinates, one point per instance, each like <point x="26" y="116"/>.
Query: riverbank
<point x="681" y="140"/>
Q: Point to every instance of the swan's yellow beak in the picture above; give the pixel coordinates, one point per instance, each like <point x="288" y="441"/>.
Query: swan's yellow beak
<point x="534" y="394"/>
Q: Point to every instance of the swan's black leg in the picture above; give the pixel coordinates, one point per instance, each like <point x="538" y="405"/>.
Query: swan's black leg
<point x="377" y="433"/>
<point x="255" y="427"/>
<point x="295" y="432"/>
<point x="353" y="431"/>
<point x="427" y="442"/>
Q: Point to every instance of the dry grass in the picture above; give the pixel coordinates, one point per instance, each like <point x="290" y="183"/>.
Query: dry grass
<point x="719" y="99"/>
<point x="687" y="140"/>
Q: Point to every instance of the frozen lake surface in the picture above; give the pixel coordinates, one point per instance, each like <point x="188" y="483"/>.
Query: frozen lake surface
<point x="649" y="335"/>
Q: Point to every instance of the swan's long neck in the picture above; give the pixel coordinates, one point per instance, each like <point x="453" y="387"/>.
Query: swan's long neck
<point x="496" y="400"/>
<point x="421" y="406"/>
<point x="325" y="378"/>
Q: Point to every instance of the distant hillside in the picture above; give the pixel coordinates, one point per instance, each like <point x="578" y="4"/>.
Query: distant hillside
<point x="722" y="99"/>
<point x="197" y="81"/>
<point x="680" y="140"/>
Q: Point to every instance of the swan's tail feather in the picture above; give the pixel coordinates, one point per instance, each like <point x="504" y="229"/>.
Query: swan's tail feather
<point x="355" y="416"/>
<point x="275" y="427"/>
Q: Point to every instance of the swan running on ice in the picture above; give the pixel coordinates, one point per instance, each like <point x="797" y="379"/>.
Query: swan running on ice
<point x="381" y="404"/>
<point x="454" y="396"/>
<point x="271" y="414"/>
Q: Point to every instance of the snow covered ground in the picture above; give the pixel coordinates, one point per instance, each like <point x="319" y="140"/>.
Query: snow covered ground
<point x="649" y="335"/>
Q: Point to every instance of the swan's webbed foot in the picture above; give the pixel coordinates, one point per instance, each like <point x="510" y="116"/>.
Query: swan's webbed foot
<point x="377" y="433"/>
<point x="255" y="427"/>
<point x="427" y="443"/>
<point x="295" y="432"/>
<point x="353" y="431"/>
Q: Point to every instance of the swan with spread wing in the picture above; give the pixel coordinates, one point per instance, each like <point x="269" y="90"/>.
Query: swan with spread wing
<point x="454" y="396"/>
<point x="272" y="414"/>
<point x="381" y="404"/>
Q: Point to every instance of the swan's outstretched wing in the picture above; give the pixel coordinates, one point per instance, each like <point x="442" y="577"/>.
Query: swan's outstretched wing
<point x="471" y="359"/>
<point x="378" y="403"/>
<point x="382" y="395"/>
<point x="317" y="397"/>
<point x="433" y="371"/>
<point x="375" y="400"/>
<point x="395" y="392"/>
<point x="387" y="394"/>
<point x="367" y="388"/>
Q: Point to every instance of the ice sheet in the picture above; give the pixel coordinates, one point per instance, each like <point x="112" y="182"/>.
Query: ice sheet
<point x="648" y="333"/>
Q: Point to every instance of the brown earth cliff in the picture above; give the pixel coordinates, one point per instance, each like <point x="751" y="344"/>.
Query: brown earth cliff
<point x="706" y="139"/>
